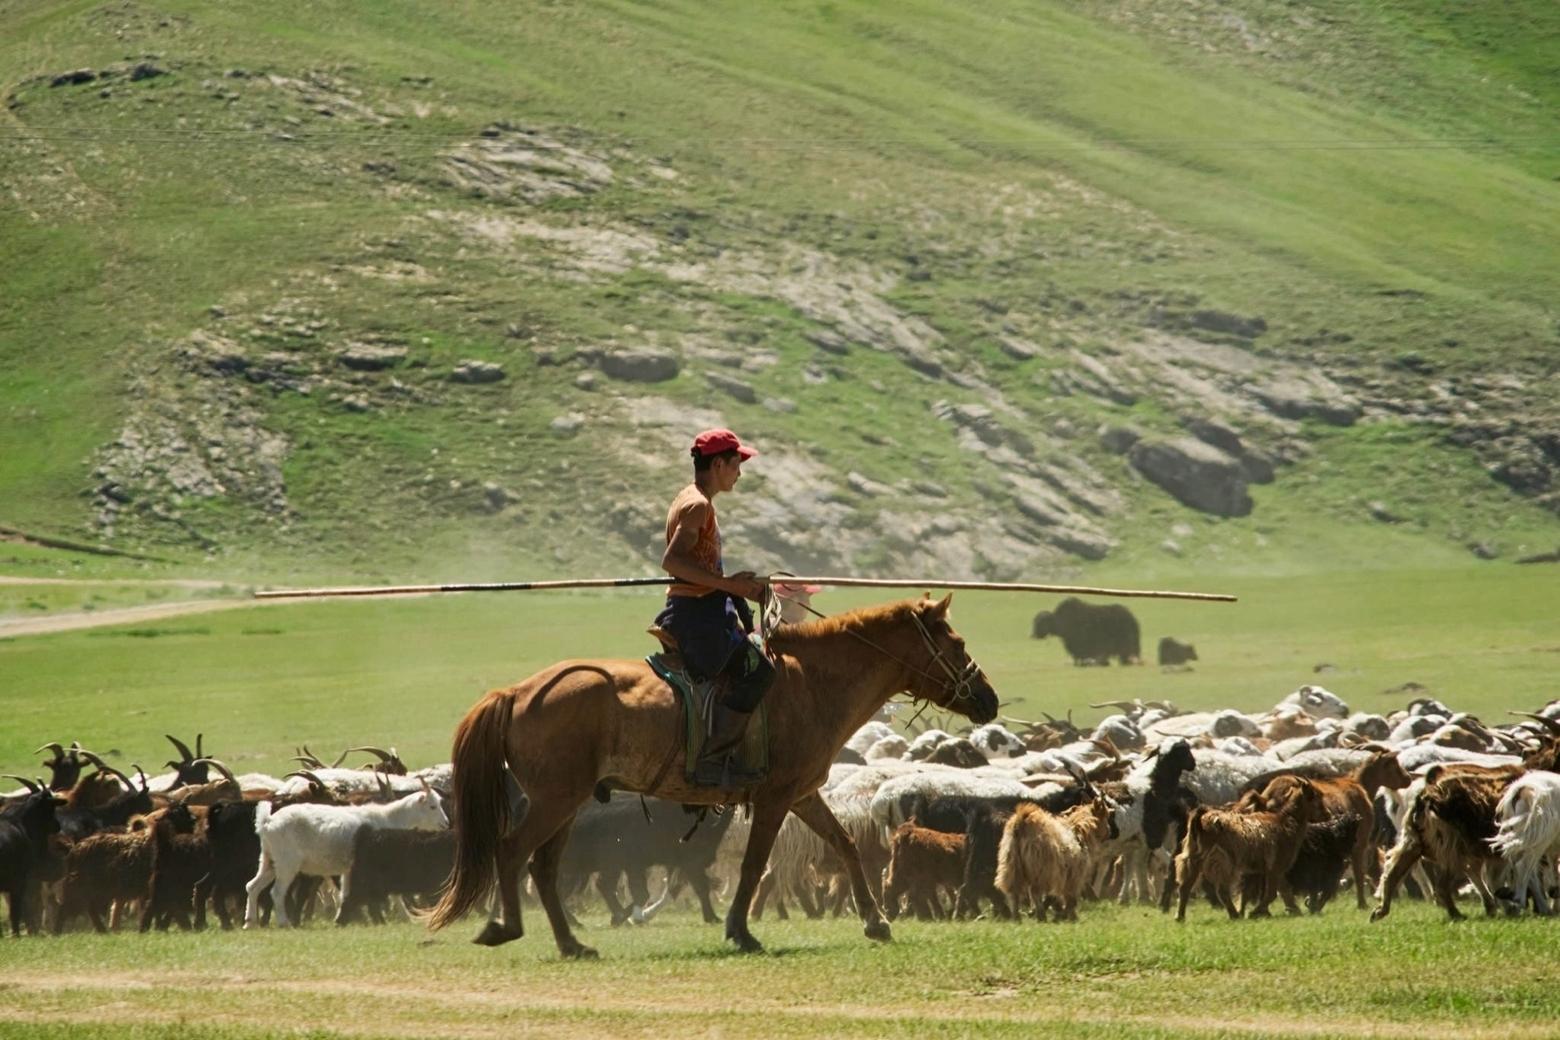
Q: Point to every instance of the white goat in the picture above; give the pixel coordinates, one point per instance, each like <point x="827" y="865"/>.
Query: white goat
<point x="1529" y="832"/>
<point x="317" y="840"/>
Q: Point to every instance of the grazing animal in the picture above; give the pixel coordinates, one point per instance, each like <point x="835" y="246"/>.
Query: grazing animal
<point x="571" y="726"/>
<point x="1224" y="845"/>
<point x="1449" y="822"/>
<point x="318" y="840"/>
<point x="25" y="831"/>
<point x="1174" y="654"/>
<point x="922" y="865"/>
<point x="1324" y="854"/>
<point x="1091" y="634"/>
<point x="1045" y="858"/>
<point x="1528" y="834"/>
<point x="388" y="863"/>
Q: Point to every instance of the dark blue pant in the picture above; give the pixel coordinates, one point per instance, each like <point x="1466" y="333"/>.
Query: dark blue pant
<point x="710" y="633"/>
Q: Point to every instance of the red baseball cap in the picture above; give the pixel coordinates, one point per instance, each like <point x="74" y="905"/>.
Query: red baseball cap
<point x="713" y="442"/>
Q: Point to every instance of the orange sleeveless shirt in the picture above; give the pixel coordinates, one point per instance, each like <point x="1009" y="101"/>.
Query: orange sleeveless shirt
<point x="706" y="549"/>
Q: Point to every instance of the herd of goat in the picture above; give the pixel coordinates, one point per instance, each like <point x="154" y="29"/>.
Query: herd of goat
<point x="1151" y="804"/>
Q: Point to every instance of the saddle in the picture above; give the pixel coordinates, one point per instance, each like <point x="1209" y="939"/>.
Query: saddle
<point x="700" y="697"/>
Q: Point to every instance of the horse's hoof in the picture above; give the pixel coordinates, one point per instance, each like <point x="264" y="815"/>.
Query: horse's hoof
<point x="746" y="943"/>
<point x="580" y="952"/>
<point x="1377" y="914"/>
<point x="495" y="934"/>
<point x="879" y="931"/>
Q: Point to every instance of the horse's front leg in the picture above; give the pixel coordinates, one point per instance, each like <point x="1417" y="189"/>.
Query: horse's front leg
<point x="815" y="812"/>
<point x="761" y="839"/>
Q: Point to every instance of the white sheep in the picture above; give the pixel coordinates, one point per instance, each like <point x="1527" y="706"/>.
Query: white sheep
<point x="867" y="735"/>
<point x="1317" y="702"/>
<point x="318" y="840"/>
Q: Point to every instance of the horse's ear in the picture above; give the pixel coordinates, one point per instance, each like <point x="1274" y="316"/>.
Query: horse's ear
<point x="941" y="607"/>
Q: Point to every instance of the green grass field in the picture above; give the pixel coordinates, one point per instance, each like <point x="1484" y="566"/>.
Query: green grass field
<point x="1117" y="972"/>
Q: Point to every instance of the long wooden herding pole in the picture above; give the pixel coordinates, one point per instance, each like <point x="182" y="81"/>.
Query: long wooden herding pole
<point x="777" y="579"/>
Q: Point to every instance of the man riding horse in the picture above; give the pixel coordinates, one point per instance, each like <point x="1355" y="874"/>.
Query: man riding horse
<point x="706" y="611"/>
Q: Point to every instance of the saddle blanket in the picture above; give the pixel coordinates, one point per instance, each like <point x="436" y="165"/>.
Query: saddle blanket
<point x="751" y="761"/>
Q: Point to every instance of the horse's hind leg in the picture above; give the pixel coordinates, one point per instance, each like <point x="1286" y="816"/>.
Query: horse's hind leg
<point x="514" y="852"/>
<point x="544" y="872"/>
<point x="816" y="813"/>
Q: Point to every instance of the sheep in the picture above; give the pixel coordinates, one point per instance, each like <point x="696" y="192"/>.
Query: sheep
<point x="998" y="741"/>
<point x="869" y="734"/>
<point x="892" y="803"/>
<point x="923" y="744"/>
<point x="1448" y="822"/>
<point x="921" y="864"/>
<point x="1219" y="778"/>
<point x="1224" y="845"/>
<point x="1045" y="857"/>
<point x="1528" y="833"/>
<point x="1316" y="701"/>
<point x="958" y="752"/>
<point x="891" y="746"/>
<point x="317" y="840"/>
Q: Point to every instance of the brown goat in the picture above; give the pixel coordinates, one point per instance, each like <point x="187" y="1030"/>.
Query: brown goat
<point x="1224" y="845"/>
<point x="921" y="864"/>
<point x="1046" y="857"/>
<point x="1450" y="824"/>
<point x="181" y="858"/>
<point x="1342" y="795"/>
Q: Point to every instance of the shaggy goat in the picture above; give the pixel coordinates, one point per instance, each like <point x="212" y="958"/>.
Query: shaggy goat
<point x="1045" y="858"/>
<point x="1224" y="845"/>
<point x="922" y="864"/>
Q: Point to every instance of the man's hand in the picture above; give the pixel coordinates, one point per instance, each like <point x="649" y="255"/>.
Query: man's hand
<point x="746" y="585"/>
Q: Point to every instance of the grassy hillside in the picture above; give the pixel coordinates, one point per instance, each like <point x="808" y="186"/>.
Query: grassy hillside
<point x="833" y="218"/>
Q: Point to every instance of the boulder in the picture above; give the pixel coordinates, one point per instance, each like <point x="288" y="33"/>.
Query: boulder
<point x="370" y="357"/>
<point x="477" y="372"/>
<point x="735" y="387"/>
<point x="1293" y="399"/>
<point x="639" y="365"/>
<point x="1118" y="440"/>
<point x="1196" y="473"/>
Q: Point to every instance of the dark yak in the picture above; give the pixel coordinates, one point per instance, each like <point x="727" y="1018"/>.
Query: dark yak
<point x="1173" y="653"/>
<point x="1090" y="634"/>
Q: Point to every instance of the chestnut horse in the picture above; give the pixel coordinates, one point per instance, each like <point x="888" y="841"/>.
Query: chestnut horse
<point x="578" y="723"/>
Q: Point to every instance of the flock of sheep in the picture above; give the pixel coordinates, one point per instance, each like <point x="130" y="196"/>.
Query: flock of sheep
<point x="1151" y="803"/>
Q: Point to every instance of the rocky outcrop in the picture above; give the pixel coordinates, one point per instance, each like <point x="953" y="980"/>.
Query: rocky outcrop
<point x="638" y="365"/>
<point x="1196" y="473"/>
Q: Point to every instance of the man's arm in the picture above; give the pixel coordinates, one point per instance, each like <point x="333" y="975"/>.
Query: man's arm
<point x="679" y="562"/>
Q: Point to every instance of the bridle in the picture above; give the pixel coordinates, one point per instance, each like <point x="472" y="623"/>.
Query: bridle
<point x="955" y="682"/>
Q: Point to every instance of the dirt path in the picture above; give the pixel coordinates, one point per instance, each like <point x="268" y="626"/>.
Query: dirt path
<point x="11" y="628"/>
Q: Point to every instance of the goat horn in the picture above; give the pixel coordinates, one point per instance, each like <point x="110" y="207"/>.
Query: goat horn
<point x="1114" y="704"/>
<point x="198" y="738"/>
<point x="219" y="767"/>
<point x="183" y="748"/>
<point x="308" y="775"/>
<point x="1549" y="723"/>
<point x="59" y="752"/>
<point x="106" y="768"/>
<point x="339" y="759"/>
<point x="384" y="756"/>
<point x="315" y="762"/>
<point x="31" y="787"/>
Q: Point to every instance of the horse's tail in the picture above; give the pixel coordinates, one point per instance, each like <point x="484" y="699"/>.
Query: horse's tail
<point x="482" y="814"/>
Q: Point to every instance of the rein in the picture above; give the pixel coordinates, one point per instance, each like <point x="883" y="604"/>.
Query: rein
<point x="957" y="680"/>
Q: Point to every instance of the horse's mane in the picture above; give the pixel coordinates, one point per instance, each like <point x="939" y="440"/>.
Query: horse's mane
<point x="861" y="617"/>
